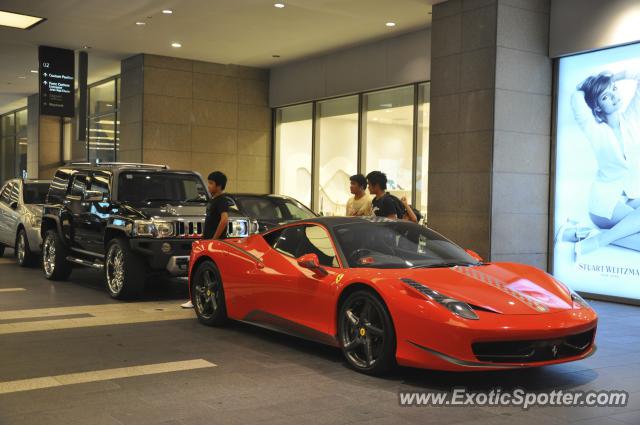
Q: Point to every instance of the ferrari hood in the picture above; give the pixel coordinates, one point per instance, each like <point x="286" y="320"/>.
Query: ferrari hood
<point x="503" y="287"/>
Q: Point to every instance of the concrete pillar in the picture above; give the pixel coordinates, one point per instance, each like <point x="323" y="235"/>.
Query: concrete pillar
<point x="490" y="127"/>
<point x="44" y="144"/>
<point x="198" y="116"/>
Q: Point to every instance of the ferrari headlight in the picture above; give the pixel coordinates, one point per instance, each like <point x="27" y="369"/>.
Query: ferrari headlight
<point x="578" y="301"/>
<point x="459" y="308"/>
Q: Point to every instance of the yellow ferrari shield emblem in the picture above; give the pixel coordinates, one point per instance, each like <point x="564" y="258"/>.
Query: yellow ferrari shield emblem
<point x="362" y="332"/>
<point x="339" y="277"/>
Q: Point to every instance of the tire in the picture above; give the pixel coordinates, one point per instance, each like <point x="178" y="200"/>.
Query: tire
<point x="207" y="295"/>
<point x="23" y="253"/>
<point x="366" y="333"/>
<point x="124" y="271"/>
<point x="54" y="257"/>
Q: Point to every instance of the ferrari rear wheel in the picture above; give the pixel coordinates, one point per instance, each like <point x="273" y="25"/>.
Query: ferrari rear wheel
<point x="207" y="295"/>
<point x="366" y="333"/>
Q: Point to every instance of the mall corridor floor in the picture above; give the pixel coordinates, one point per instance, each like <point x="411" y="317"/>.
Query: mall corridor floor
<point x="71" y="355"/>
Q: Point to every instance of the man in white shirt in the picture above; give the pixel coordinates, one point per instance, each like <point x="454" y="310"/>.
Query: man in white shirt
<point x="359" y="204"/>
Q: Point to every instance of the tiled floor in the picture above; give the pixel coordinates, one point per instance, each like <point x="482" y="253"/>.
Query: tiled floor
<point x="259" y="376"/>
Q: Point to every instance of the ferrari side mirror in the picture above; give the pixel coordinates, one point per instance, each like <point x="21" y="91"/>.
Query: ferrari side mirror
<point x="474" y="254"/>
<point x="311" y="262"/>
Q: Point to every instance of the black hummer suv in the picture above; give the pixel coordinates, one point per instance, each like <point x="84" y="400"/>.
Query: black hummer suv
<point x="129" y="220"/>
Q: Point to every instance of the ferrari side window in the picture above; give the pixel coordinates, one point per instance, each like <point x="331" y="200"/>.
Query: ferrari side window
<point x="289" y="241"/>
<point x="316" y="241"/>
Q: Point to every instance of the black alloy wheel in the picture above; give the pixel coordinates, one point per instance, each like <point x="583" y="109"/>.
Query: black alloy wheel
<point x="207" y="295"/>
<point x="366" y="333"/>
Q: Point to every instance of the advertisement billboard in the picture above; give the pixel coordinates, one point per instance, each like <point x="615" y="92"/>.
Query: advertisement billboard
<point x="596" y="239"/>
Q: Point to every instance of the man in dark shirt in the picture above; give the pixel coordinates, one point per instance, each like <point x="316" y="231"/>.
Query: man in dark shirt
<point x="215" y="223"/>
<point x="217" y="218"/>
<point x="383" y="205"/>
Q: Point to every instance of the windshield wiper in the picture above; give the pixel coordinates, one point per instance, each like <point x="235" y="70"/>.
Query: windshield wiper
<point x="444" y="265"/>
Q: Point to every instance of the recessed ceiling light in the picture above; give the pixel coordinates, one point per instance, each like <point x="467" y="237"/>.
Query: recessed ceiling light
<point x="22" y="77"/>
<point x="390" y="24"/>
<point x="167" y="11"/>
<point x="141" y="23"/>
<point x="34" y="71"/>
<point x="176" y="44"/>
<point x="85" y="47"/>
<point x="18" y="20"/>
<point x="279" y="5"/>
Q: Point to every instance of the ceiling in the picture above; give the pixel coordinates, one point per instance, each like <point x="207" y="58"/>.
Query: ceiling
<point x="243" y="32"/>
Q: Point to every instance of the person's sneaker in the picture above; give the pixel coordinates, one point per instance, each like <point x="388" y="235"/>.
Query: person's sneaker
<point x="188" y="304"/>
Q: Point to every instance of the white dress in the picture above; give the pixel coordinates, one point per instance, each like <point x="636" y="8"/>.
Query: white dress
<point x="618" y="176"/>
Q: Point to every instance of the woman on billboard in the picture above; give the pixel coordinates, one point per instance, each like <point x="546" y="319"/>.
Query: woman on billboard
<point x="614" y="135"/>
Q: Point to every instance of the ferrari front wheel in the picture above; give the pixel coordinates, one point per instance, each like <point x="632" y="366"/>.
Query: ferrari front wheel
<point x="366" y="333"/>
<point x="207" y="295"/>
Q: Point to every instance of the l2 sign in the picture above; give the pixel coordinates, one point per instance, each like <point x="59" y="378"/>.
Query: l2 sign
<point x="57" y="81"/>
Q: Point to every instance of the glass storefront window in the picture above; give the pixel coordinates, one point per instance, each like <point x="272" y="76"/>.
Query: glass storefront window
<point x="293" y="152"/>
<point x="102" y="98"/>
<point x="104" y="125"/>
<point x="422" y="153"/>
<point x="337" y="147"/>
<point x="388" y="137"/>
<point x="102" y="138"/>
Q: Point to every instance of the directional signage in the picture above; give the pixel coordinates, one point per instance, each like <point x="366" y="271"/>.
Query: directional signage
<point x="57" y="81"/>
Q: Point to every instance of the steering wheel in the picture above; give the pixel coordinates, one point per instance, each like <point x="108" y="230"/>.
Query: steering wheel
<point x="360" y="252"/>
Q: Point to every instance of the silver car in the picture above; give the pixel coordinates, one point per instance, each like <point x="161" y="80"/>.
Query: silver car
<point x="21" y="216"/>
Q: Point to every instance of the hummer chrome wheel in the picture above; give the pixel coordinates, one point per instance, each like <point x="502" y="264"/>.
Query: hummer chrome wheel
<point x="115" y="269"/>
<point x="49" y="255"/>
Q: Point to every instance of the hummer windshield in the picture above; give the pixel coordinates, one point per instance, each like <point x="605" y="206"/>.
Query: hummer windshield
<point x="147" y="187"/>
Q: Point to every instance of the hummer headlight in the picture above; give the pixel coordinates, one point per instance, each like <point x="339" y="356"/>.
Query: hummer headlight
<point x="238" y="228"/>
<point x="165" y="229"/>
<point x="144" y="228"/>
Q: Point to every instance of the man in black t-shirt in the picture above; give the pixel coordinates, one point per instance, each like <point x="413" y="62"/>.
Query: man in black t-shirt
<point x="215" y="223"/>
<point x="383" y="205"/>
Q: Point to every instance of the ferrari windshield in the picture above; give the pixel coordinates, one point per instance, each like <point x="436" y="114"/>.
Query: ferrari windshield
<point x="161" y="187"/>
<point x="398" y="244"/>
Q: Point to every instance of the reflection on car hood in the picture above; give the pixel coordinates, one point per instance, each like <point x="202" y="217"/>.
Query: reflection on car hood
<point x="505" y="288"/>
<point x="178" y="210"/>
<point x="34" y="209"/>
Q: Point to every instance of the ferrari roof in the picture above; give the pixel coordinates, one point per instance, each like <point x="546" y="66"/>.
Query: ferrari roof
<point x="339" y="221"/>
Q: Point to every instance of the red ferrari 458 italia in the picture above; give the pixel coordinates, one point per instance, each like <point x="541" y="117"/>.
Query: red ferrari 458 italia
<point x="391" y="292"/>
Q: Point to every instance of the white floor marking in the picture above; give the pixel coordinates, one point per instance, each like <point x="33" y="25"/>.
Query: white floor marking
<point x="101" y="315"/>
<point x="101" y="375"/>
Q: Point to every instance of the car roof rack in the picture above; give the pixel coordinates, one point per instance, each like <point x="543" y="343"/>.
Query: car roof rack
<point x="123" y="164"/>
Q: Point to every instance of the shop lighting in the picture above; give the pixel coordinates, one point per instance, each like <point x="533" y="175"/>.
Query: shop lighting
<point x="176" y="44"/>
<point x="18" y="20"/>
<point x="390" y="24"/>
<point x="34" y="71"/>
<point x="141" y="23"/>
<point x="167" y="11"/>
<point x="279" y="5"/>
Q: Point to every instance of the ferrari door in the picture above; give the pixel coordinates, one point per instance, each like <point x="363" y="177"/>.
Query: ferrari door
<point x="295" y="295"/>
